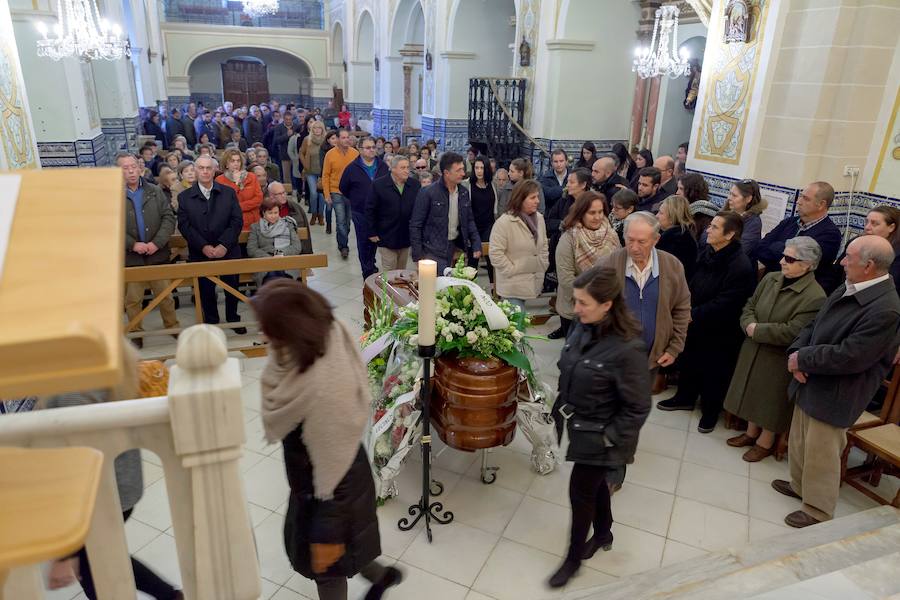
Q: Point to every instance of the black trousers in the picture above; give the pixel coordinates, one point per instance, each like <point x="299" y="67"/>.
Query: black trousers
<point x="589" y="496"/>
<point x="209" y="304"/>
<point x="706" y="372"/>
<point x="145" y="580"/>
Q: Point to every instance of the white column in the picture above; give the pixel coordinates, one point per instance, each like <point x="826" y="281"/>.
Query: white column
<point x="18" y="149"/>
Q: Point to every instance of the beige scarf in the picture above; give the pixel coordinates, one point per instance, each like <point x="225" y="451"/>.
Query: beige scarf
<point x="592" y="245"/>
<point x="330" y="399"/>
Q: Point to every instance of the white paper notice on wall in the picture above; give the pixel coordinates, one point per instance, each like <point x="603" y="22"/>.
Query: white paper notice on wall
<point x="777" y="206"/>
<point x="9" y="195"/>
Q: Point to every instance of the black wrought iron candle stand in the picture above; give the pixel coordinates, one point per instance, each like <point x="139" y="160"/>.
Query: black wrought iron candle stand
<point x="425" y="508"/>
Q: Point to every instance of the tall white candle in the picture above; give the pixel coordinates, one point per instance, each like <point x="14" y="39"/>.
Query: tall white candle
<point x="427" y="279"/>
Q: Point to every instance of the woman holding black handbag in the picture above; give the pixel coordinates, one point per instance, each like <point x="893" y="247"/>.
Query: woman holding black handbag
<point x="604" y="399"/>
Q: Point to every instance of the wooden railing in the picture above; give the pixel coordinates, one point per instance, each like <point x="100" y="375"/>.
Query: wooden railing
<point x="197" y="432"/>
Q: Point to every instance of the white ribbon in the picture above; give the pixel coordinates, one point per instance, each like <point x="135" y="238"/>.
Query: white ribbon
<point x="376" y="347"/>
<point x="494" y="315"/>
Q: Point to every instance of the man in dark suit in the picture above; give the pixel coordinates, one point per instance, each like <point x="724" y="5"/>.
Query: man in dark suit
<point x="442" y="217"/>
<point x="649" y="190"/>
<point x="811" y="220"/>
<point x="388" y="209"/>
<point x="209" y="218"/>
<point x="838" y="362"/>
<point x="554" y="181"/>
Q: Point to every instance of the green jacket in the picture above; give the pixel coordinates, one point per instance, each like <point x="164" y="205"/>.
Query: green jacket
<point x="758" y="390"/>
<point x="159" y="224"/>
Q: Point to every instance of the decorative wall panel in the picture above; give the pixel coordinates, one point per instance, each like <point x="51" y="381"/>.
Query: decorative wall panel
<point x="730" y="74"/>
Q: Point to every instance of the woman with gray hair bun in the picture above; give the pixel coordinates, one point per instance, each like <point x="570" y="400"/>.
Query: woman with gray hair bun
<point x="783" y="304"/>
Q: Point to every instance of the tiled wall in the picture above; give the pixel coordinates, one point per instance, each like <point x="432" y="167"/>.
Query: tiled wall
<point x="388" y="122"/>
<point x="80" y="153"/>
<point x="861" y="203"/>
<point x="360" y="110"/>
<point x="120" y="134"/>
<point x="450" y="134"/>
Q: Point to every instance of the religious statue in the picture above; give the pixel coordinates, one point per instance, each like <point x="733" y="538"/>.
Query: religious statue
<point x="377" y="64"/>
<point x="428" y="60"/>
<point x="737" y="21"/>
<point x="693" y="86"/>
<point x="524" y="53"/>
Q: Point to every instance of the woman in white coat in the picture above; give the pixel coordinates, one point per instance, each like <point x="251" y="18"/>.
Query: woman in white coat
<point x="519" y="251"/>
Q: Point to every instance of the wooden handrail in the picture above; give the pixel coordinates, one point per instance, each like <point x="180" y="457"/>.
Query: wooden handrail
<point x="215" y="268"/>
<point x="176" y="240"/>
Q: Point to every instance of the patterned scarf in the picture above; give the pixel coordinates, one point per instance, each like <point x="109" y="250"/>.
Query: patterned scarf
<point x="593" y="244"/>
<point x="240" y="180"/>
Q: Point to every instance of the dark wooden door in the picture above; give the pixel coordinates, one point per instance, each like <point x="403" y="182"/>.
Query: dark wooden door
<point x="245" y="82"/>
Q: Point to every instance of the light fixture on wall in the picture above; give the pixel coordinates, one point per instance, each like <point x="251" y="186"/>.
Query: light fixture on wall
<point x="662" y="57"/>
<point x="82" y="34"/>
<point x="260" y="8"/>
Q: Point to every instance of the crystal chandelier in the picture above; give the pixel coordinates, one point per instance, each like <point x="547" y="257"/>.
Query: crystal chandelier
<point x="82" y="34"/>
<point x="260" y="8"/>
<point x="658" y="59"/>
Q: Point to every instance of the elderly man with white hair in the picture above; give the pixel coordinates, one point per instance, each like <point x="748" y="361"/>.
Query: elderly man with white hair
<point x="837" y="362"/>
<point x="657" y="293"/>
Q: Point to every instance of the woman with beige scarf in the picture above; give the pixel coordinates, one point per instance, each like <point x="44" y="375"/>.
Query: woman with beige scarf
<point x="587" y="237"/>
<point x="310" y="156"/>
<point x="518" y="246"/>
<point x="331" y="529"/>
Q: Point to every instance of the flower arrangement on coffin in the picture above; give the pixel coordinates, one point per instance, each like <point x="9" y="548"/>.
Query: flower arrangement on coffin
<point x="463" y="329"/>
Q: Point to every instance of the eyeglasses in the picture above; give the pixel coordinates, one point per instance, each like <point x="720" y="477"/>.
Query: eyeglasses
<point x="421" y="167"/>
<point x="789" y="259"/>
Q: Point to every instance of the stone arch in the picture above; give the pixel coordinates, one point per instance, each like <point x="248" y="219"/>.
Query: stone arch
<point x="578" y="19"/>
<point x="403" y="23"/>
<point x="364" y="49"/>
<point x="468" y="18"/>
<point x="289" y="76"/>
<point x="337" y="43"/>
<point x="252" y="47"/>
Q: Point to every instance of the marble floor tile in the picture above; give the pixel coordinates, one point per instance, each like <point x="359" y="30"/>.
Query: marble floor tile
<point x="487" y="507"/>
<point x="554" y="486"/>
<point x="541" y="525"/>
<point x="266" y="484"/>
<point x="513" y="472"/>
<point x="708" y="527"/>
<point x="714" y="452"/>
<point x="517" y="572"/>
<point x="633" y="551"/>
<point x="769" y="505"/>
<point x="676" y="552"/>
<point x="712" y="486"/>
<point x="643" y="508"/>
<point x="457" y="553"/>
<point x="273" y="562"/>
<point x="666" y="441"/>
<point x="654" y="471"/>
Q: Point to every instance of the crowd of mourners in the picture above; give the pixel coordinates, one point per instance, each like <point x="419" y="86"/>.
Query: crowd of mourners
<point x="655" y="284"/>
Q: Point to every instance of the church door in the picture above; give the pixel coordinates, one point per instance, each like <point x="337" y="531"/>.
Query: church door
<point x="245" y="82"/>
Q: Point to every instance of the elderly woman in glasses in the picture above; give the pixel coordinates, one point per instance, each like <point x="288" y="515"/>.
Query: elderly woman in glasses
<point x="783" y="304"/>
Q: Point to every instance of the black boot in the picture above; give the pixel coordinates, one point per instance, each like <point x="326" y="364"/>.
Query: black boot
<point x="564" y="573"/>
<point x="392" y="576"/>
<point x="592" y="545"/>
<point x="557" y="334"/>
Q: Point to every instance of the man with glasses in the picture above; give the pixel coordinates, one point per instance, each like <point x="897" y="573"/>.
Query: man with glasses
<point x="421" y="167"/>
<point x="355" y="186"/>
<point x="336" y="161"/>
<point x="442" y="218"/>
<point x="811" y="220"/>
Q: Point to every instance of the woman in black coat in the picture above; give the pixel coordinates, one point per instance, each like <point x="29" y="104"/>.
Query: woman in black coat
<point x="723" y="281"/>
<point x="678" y="233"/>
<point x="604" y="399"/>
<point x="331" y="529"/>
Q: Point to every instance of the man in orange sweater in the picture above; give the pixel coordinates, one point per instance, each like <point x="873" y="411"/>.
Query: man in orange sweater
<point x="336" y="160"/>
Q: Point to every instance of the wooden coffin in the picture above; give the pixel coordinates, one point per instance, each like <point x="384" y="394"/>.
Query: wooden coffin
<point x="473" y="402"/>
<point x="400" y="287"/>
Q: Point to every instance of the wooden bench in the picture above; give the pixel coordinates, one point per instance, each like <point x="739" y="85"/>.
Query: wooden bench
<point x="191" y="272"/>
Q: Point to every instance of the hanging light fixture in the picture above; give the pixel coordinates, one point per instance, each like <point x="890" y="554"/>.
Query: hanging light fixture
<point x="657" y="59"/>
<point x="260" y="8"/>
<point x="82" y="34"/>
